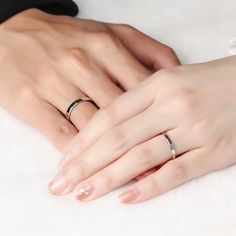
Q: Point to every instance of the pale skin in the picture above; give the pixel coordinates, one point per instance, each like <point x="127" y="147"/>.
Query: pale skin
<point x="49" y="61"/>
<point x="194" y="104"/>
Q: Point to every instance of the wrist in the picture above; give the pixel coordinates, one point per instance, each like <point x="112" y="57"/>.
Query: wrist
<point x="56" y="7"/>
<point x="24" y="20"/>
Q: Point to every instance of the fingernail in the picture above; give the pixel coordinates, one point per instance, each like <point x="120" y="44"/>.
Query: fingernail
<point x="67" y="157"/>
<point x="129" y="196"/>
<point x="58" y="184"/>
<point x="83" y="192"/>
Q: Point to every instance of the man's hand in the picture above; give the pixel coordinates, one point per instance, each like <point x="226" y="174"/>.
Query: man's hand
<point x="49" y="61"/>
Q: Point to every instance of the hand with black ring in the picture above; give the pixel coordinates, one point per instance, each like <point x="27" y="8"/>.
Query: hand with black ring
<point x="49" y="61"/>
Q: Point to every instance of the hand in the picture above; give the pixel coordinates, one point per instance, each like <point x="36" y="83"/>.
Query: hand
<point x="195" y="106"/>
<point x="49" y="61"/>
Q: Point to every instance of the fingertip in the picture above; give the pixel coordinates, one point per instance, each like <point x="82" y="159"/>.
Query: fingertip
<point x="58" y="184"/>
<point x="129" y="196"/>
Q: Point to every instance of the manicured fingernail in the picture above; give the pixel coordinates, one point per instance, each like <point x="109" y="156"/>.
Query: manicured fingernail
<point x="66" y="158"/>
<point x="129" y="196"/>
<point x="83" y="192"/>
<point x="58" y="184"/>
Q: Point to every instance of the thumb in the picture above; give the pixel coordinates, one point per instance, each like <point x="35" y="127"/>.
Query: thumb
<point x="147" y="50"/>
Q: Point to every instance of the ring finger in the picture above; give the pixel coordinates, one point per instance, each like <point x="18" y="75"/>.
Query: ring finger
<point x="143" y="157"/>
<point x="172" y="174"/>
<point x="63" y="97"/>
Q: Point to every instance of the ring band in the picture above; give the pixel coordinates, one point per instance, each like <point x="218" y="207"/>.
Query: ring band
<point x="74" y="104"/>
<point x="171" y="145"/>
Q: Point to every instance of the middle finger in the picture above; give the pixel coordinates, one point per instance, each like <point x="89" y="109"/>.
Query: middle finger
<point x="109" y="148"/>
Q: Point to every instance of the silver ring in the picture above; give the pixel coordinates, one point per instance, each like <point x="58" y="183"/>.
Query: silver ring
<point x="171" y="145"/>
<point x="74" y="104"/>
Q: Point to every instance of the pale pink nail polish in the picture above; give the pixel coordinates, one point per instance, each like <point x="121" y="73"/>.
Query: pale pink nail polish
<point x="65" y="159"/>
<point x="58" y="185"/>
<point x="129" y="195"/>
<point x="83" y="192"/>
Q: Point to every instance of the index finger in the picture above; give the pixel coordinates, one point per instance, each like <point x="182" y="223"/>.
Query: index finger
<point x="121" y="109"/>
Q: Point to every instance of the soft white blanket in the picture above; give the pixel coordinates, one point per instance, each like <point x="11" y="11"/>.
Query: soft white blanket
<point x="199" y="30"/>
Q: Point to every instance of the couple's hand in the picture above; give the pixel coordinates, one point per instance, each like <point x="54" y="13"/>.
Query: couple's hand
<point x="49" y="61"/>
<point x="195" y="106"/>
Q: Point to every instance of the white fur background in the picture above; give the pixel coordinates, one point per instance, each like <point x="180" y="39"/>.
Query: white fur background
<point x="199" y="30"/>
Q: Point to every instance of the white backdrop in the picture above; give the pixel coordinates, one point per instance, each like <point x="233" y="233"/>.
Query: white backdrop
<point x="199" y="30"/>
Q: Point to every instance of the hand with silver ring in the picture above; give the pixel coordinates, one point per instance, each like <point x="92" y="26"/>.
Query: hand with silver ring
<point x="49" y="61"/>
<point x="180" y="124"/>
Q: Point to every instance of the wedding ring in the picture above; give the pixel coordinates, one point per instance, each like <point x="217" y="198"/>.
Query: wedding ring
<point x="74" y="104"/>
<point x="171" y="145"/>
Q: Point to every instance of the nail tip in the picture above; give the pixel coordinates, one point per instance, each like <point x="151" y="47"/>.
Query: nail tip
<point x="52" y="190"/>
<point x="58" y="185"/>
<point x="129" y="196"/>
<point x="83" y="193"/>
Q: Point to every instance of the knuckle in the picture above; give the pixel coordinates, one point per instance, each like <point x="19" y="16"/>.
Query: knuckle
<point x="178" y="170"/>
<point x="169" y="50"/>
<point x="167" y="77"/>
<point x="75" y="57"/>
<point x="184" y="101"/>
<point x="79" y="141"/>
<point x="117" y="138"/>
<point x="27" y="93"/>
<point x="80" y="167"/>
<point x="143" y="157"/>
<point x="107" y="179"/>
<point x="65" y="129"/>
<point x="169" y="80"/>
<point x="106" y="117"/>
<point x="154" y="185"/>
<point x="78" y="59"/>
<point x="104" y="40"/>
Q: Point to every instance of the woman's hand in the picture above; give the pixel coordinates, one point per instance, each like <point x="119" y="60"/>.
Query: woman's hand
<point x="194" y="104"/>
<point x="49" y="61"/>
